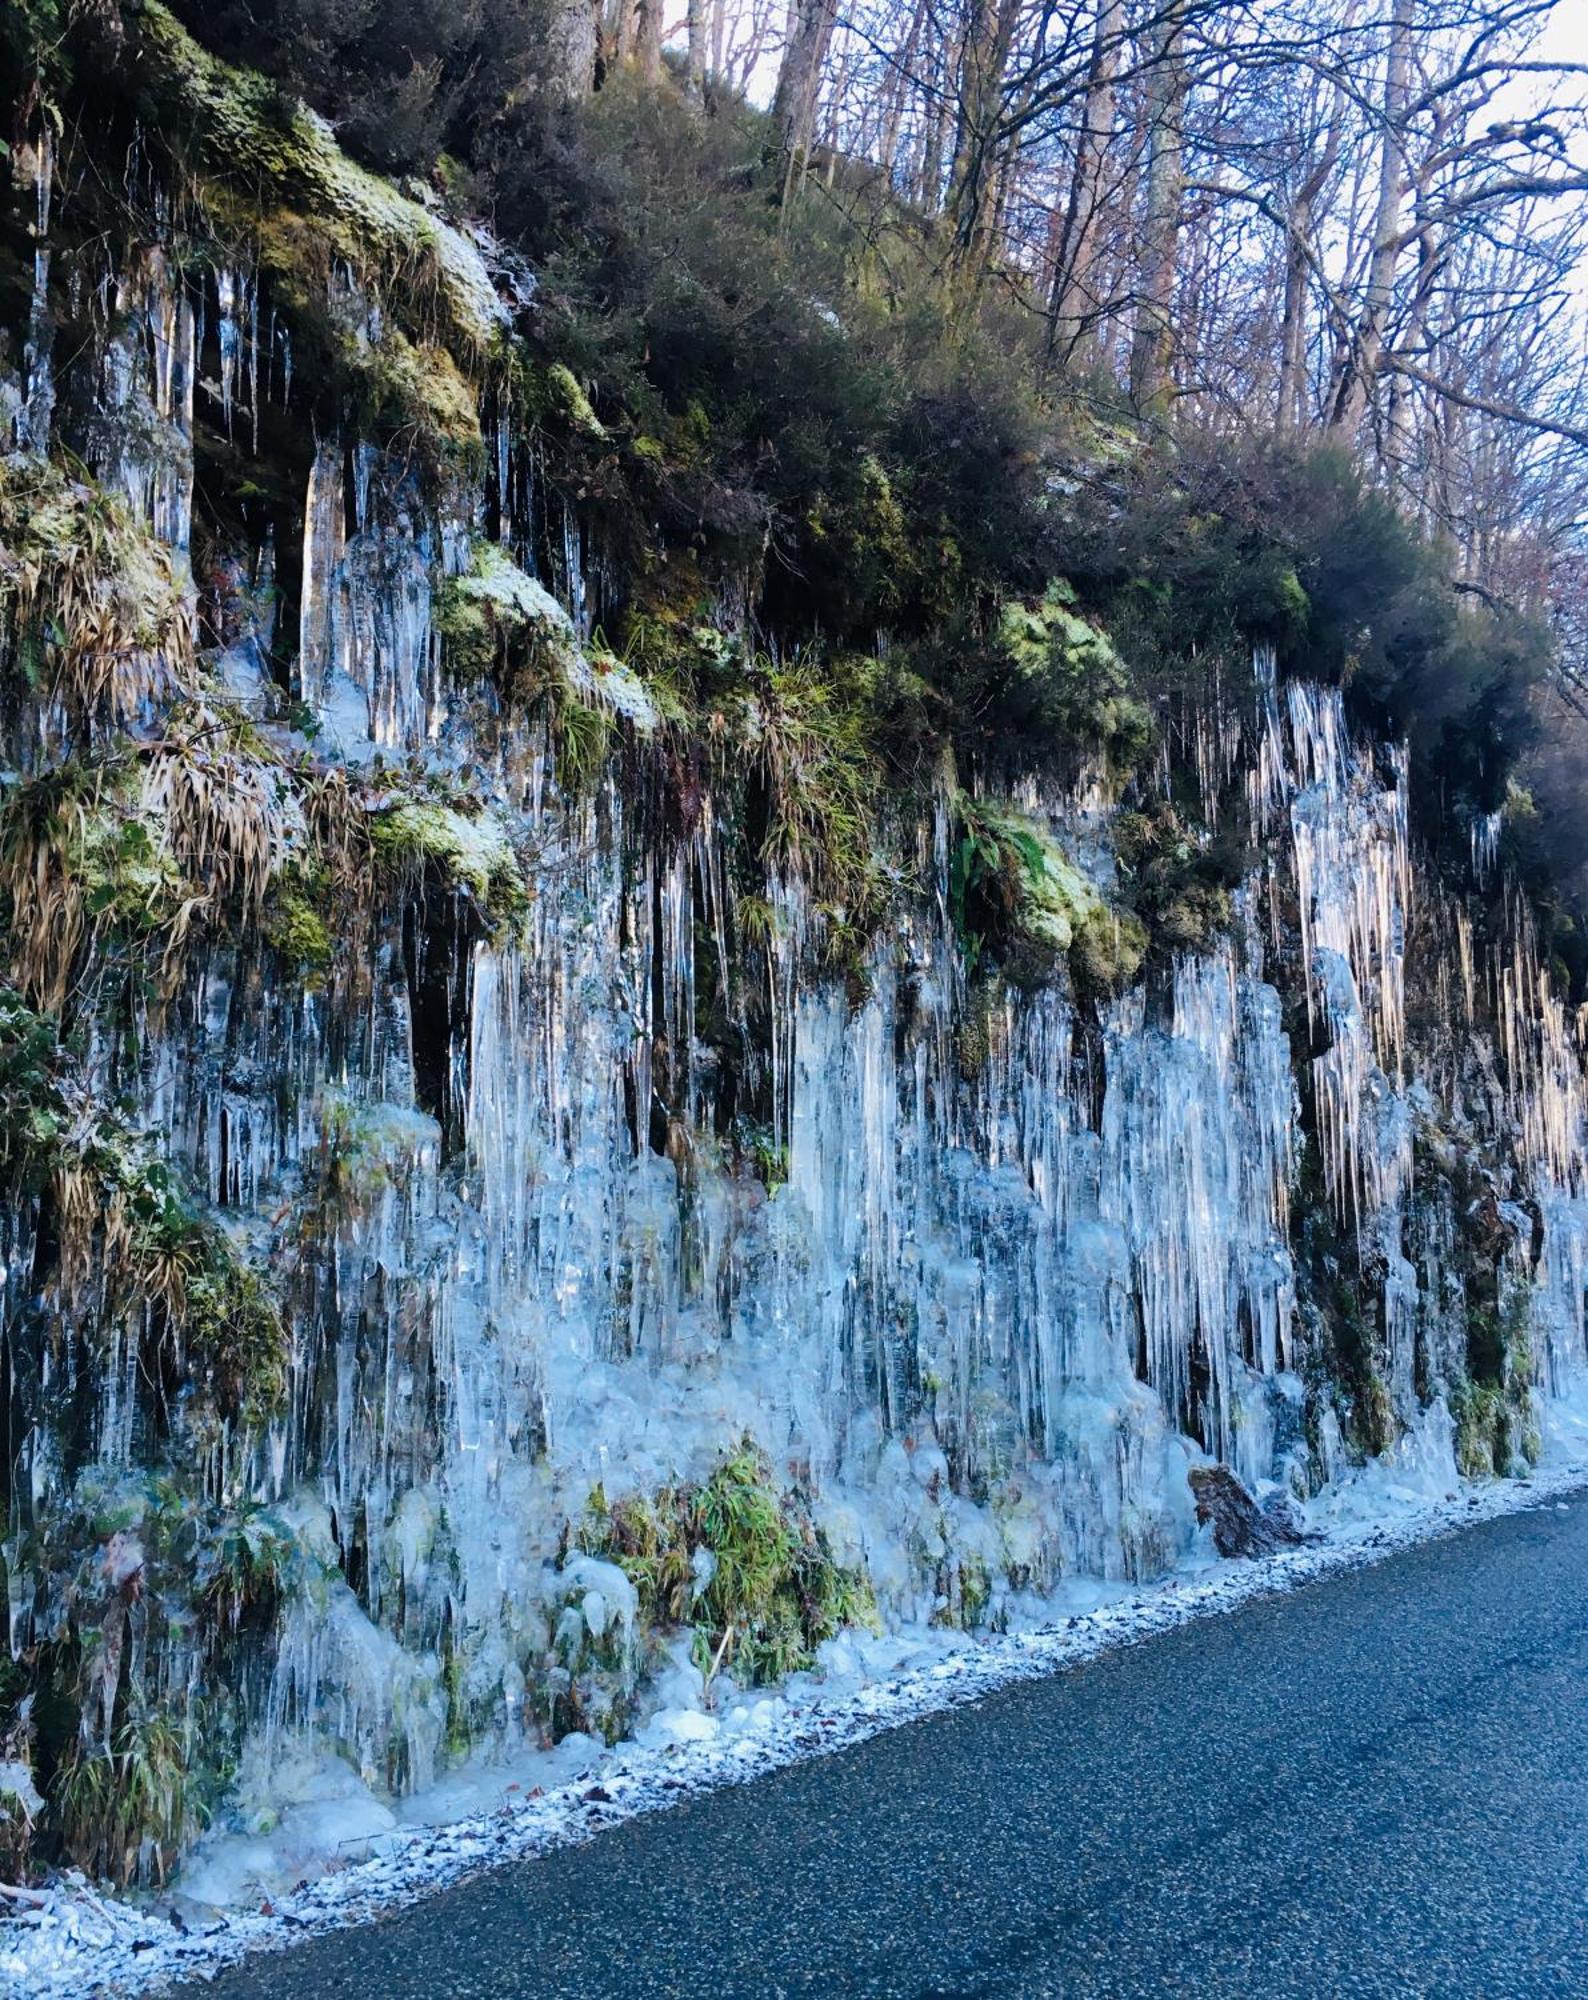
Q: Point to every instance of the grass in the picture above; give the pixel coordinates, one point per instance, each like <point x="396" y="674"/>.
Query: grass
<point x="736" y="1563"/>
<point x="123" y="1808"/>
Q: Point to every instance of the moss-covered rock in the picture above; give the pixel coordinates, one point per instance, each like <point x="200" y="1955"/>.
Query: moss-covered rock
<point x="297" y="930"/>
<point x="279" y="167"/>
<point x="567" y="400"/>
<point x="1015" y="894"/>
<point x="465" y="844"/>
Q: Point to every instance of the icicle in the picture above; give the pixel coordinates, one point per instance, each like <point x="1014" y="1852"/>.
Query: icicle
<point x="38" y="381"/>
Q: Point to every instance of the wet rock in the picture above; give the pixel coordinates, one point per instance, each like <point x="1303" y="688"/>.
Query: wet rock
<point x="1240" y="1526"/>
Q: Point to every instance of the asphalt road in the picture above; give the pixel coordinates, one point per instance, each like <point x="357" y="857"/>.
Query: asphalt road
<point x="1378" y="1785"/>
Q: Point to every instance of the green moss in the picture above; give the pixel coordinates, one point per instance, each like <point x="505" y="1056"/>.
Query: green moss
<point x="860" y="536"/>
<point x="282" y="166"/>
<point x="171" y="1268"/>
<point x="566" y="397"/>
<point x="275" y="183"/>
<point x="1178" y="880"/>
<point x="1483" y="1430"/>
<point x="1108" y="952"/>
<point x="1073" y="682"/>
<point x="408" y="381"/>
<point x="496" y="619"/>
<point x="1014" y="893"/>
<point x="1373" y="1417"/>
<point x="467" y="847"/>
<point x="296" y="929"/>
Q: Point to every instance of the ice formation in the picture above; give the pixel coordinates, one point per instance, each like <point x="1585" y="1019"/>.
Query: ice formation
<point x="984" y="1311"/>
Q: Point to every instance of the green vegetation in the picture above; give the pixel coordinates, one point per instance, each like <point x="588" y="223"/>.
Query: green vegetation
<point x="1015" y="895"/>
<point x="459" y="841"/>
<point x="1071" y="685"/>
<point x="737" y="1563"/>
<point x="123" y="1809"/>
<point x="124" y="1707"/>
<point x="1176" y="879"/>
<point x="296" y="928"/>
<point x="131" y="1246"/>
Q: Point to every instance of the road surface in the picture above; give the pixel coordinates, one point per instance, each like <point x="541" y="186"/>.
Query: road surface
<point x="1377" y="1785"/>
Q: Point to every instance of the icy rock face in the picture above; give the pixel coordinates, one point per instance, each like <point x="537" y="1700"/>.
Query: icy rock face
<point x="987" y="1297"/>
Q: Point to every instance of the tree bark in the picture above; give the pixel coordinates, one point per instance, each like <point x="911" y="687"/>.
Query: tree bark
<point x="1299" y="261"/>
<point x="981" y="146"/>
<point x="1073" y="298"/>
<point x="1359" y="364"/>
<point x="648" y="40"/>
<point x="1152" y="345"/>
<point x="699" y="37"/>
<point x="571" y="39"/>
<point x="799" y="78"/>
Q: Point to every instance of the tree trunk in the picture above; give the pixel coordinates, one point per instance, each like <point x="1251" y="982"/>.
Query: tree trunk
<point x="1291" y="413"/>
<point x="699" y="36"/>
<point x="799" y="78"/>
<point x="981" y="146"/>
<point x="1152" y="346"/>
<point x="1074" y="296"/>
<point x="1359" y="364"/>
<point x="898" y="86"/>
<point x="648" y="40"/>
<point x="934" y="144"/>
<point x="571" y="36"/>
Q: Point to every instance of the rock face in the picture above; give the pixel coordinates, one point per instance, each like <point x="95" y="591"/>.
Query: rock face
<point x="1240" y="1526"/>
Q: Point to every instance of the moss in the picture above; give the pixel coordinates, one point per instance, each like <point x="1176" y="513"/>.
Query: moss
<point x="1073" y="682"/>
<point x="296" y="930"/>
<point x="1177" y="878"/>
<point x="282" y="168"/>
<point x="1482" y="1431"/>
<point x="566" y="397"/>
<point x="1108" y="952"/>
<point x="467" y="847"/>
<point x="234" y="1336"/>
<point x="409" y="381"/>
<point x="494" y="618"/>
<point x="965" y="1587"/>
<point x="1373" y="1417"/>
<point x="82" y="857"/>
<point x="133" y="1242"/>
<point x="1014" y="893"/>
<point x="861" y="537"/>
<point x="422" y="319"/>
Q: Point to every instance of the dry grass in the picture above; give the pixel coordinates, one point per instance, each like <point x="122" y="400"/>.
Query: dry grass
<point x="91" y="606"/>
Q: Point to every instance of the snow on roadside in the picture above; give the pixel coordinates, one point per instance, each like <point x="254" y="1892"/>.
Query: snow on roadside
<point x="68" y="1939"/>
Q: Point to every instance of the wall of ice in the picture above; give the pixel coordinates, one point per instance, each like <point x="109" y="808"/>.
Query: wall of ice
<point x="995" y="1292"/>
